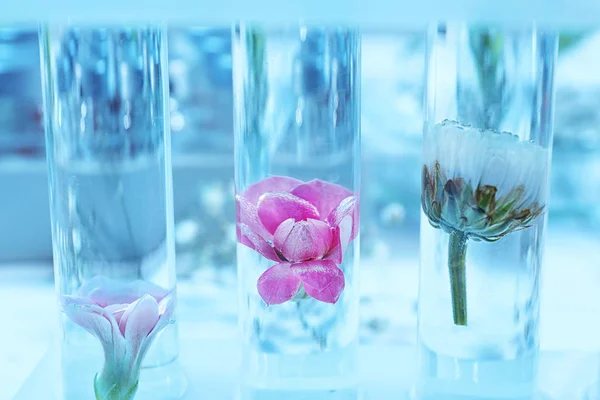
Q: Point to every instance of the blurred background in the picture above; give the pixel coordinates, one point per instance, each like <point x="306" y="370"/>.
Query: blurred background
<point x="201" y="123"/>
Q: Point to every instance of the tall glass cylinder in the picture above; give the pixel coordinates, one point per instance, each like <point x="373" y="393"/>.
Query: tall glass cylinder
<point x="486" y="157"/>
<point x="108" y="150"/>
<point x="297" y="161"/>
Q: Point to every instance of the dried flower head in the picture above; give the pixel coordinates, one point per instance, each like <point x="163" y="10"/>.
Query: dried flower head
<point x="482" y="183"/>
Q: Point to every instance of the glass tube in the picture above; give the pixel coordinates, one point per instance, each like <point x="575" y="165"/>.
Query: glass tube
<point x="297" y="161"/>
<point x="108" y="150"/>
<point x="486" y="158"/>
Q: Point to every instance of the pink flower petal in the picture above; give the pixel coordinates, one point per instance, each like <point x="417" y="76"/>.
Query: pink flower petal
<point x="341" y="239"/>
<point x="348" y="207"/>
<point x="251" y="232"/>
<point x="276" y="207"/>
<point x="270" y="184"/>
<point x="278" y="284"/>
<point x="69" y="300"/>
<point x="96" y="321"/>
<point x="249" y="238"/>
<point x="117" y="310"/>
<point x="304" y="240"/>
<point x="322" y="279"/>
<point x="105" y="291"/>
<point x="247" y="214"/>
<point x="323" y="195"/>
<point x="89" y="316"/>
<point x="166" y="309"/>
<point x="138" y="321"/>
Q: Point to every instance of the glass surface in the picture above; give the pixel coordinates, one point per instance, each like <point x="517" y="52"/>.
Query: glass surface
<point x="486" y="154"/>
<point x="111" y="206"/>
<point x="297" y="160"/>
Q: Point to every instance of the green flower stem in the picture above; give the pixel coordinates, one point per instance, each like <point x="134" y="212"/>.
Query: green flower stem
<point x="107" y="390"/>
<point x="457" y="255"/>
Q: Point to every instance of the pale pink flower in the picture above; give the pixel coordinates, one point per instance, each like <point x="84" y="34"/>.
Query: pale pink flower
<point x="305" y="228"/>
<point x="125" y="317"/>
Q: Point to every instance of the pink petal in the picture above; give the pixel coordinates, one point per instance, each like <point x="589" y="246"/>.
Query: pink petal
<point x="278" y="284"/>
<point x="89" y="316"/>
<point x="251" y="232"/>
<point x="105" y="291"/>
<point x="270" y="184"/>
<point x="322" y="279"/>
<point x="276" y="207"/>
<point x="247" y="214"/>
<point x="117" y="310"/>
<point x="341" y="239"/>
<point x="68" y="300"/>
<point x="304" y="240"/>
<point x="166" y="309"/>
<point x="348" y="207"/>
<point x="323" y="195"/>
<point x="248" y="238"/>
<point x="96" y="321"/>
<point x="138" y="321"/>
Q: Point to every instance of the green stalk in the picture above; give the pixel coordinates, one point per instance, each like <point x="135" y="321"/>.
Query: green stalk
<point x="457" y="255"/>
<point x="116" y="391"/>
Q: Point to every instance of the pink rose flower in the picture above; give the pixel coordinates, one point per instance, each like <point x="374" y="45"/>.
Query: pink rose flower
<point x="303" y="226"/>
